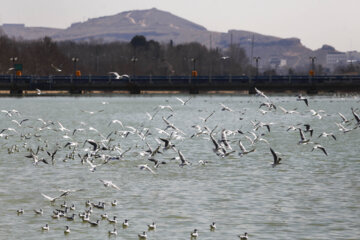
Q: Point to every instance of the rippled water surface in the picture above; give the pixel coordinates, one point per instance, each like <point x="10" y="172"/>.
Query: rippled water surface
<point x="308" y="196"/>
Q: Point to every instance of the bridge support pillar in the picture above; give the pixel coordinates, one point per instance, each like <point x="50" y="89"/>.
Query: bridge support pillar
<point x="16" y="92"/>
<point x="194" y="91"/>
<point x="75" y="91"/>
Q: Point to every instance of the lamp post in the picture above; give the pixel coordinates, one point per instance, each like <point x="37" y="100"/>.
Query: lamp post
<point x="75" y="60"/>
<point x="257" y="65"/>
<point x="312" y="71"/>
<point x="134" y="60"/>
<point x="13" y="60"/>
<point x="223" y="59"/>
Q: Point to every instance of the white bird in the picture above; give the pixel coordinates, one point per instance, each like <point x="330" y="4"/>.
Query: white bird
<point x="39" y="212"/>
<point x="46" y="227"/>
<point x="113" y="232"/>
<point x="56" y="68"/>
<point x="184" y="162"/>
<point x="212" y="226"/>
<point x="243" y="237"/>
<point x="146" y="167"/>
<point x="53" y="199"/>
<point x="116" y="121"/>
<point x="243" y="149"/>
<point x="194" y="234"/>
<point x="142" y="235"/>
<point x="67" y="230"/>
<point x="318" y="146"/>
<point x="118" y="76"/>
<point x="109" y="184"/>
<point x="182" y="101"/>
<point x="303" y="140"/>
<point x="301" y="98"/>
<point x="152" y="226"/>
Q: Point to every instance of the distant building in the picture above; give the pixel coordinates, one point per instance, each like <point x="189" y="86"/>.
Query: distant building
<point x="335" y="59"/>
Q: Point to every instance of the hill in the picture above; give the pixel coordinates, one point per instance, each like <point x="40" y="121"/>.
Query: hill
<point x="163" y="26"/>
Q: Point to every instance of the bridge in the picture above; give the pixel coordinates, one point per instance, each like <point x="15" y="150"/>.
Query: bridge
<point x="18" y="85"/>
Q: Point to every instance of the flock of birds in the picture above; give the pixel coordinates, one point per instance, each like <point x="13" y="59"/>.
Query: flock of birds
<point x="157" y="146"/>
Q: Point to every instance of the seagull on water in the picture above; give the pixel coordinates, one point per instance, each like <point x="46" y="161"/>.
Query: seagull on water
<point x="194" y="234"/>
<point x="113" y="232"/>
<point x="142" y="235"/>
<point x="243" y="237"/>
<point x="152" y="226"/>
<point x="45" y="228"/>
<point x="212" y="226"/>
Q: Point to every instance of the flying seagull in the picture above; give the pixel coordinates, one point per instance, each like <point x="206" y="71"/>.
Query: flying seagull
<point x="276" y="158"/>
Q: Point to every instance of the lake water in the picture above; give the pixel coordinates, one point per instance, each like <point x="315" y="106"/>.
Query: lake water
<point x="308" y="196"/>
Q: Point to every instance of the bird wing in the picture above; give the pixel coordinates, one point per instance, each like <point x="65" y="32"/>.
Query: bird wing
<point x="274" y="156"/>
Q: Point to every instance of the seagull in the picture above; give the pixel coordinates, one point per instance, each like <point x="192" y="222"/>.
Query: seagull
<point x="261" y="93"/>
<point x="301" y="98"/>
<point x="288" y="111"/>
<point x="182" y="101"/>
<point x="207" y="118"/>
<point x="324" y="134"/>
<point x="125" y="224"/>
<point x="38" y="91"/>
<point x="318" y="146"/>
<point x="109" y="184"/>
<point x="19" y="123"/>
<point x="151" y="117"/>
<point x="303" y="140"/>
<point x="194" y="234"/>
<point x="166" y="107"/>
<point x="156" y="162"/>
<point x="276" y="158"/>
<point x="116" y="121"/>
<point x="344" y="119"/>
<point x="243" y="237"/>
<point x="225" y="108"/>
<point x="113" y="232"/>
<point x="39" y="212"/>
<point x="118" y="76"/>
<point x="142" y="235"/>
<point x="113" y="221"/>
<point x="183" y="160"/>
<point x="212" y="226"/>
<point x="146" y="167"/>
<point x="243" y="149"/>
<point x="56" y="68"/>
<point x="53" y="199"/>
<point x="152" y="226"/>
<point x="94" y="224"/>
<point x="67" y="230"/>
<point x="45" y="228"/>
<point x="357" y="118"/>
<point x="308" y="129"/>
<point x="20" y="211"/>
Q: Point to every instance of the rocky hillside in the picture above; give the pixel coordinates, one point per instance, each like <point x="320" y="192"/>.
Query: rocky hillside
<point x="163" y="26"/>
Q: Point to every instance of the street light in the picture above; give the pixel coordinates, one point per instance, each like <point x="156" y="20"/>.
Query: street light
<point x="312" y="71"/>
<point x="134" y="60"/>
<point x="75" y="60"/>
<point x="257" y="64"/>
<point x="223" y="59"/>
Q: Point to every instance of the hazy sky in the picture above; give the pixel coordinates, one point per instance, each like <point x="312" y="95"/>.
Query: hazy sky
<point x="315" y="22"/>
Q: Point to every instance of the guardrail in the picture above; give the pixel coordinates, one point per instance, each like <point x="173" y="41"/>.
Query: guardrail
<point x="136" y="84"/>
